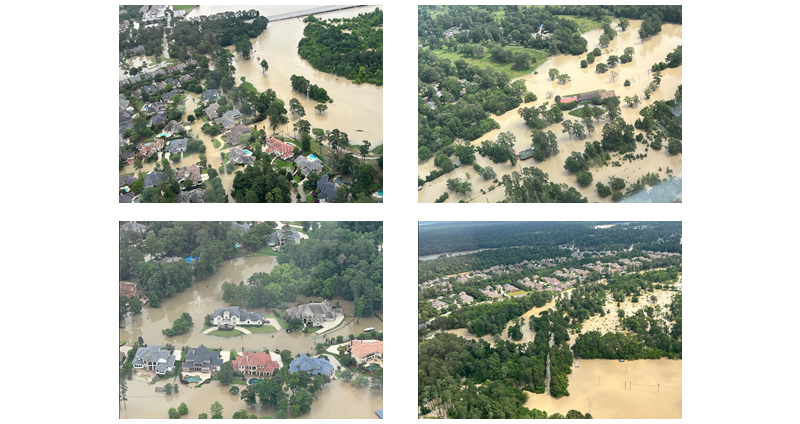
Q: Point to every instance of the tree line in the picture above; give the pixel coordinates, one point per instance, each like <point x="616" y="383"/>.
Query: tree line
<point x="348" y="47"/>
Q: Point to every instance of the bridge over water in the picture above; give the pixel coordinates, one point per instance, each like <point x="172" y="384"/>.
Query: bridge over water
<point x="313" y="11"/>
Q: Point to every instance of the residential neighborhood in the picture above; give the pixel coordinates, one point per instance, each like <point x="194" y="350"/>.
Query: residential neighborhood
<point x="257" y="138"/>
<point x="192" y="332"/>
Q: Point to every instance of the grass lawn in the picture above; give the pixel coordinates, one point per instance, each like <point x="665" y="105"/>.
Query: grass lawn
<point x="377" y="151"/>
<point x="121" y="344"/>
<point x="263" y="251"/>
<point x="590" y="91"/>
<point x="283" y="164"/>
<point x="584" y="24"/>
<point x="298" y="223"/>
<point x="139" y="105"/>
<point x="186" y="8"/>
<point x="226" y="333"/>
<point x="499" y="67"/>
<point x="263" y="329"/>
<point x="519" y="293"/>
<point x="248" y="86"/>
<point x="318" y="131"/>
<point x="216" y="143"/>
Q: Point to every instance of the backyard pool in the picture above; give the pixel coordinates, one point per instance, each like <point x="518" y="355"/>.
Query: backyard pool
<point x="193" y="379"/>
<point x="312" y="157"/>
<point x="379" y="194"/>
<point x="253" y="381"/>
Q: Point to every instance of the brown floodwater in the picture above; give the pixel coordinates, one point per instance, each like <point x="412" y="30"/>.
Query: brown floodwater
<point x="206" y="296"/>
<point x="598" y="386"/>
<point x="653" y="50"/>
<point x="357" y="109"/>
<point x="337" y="400"/>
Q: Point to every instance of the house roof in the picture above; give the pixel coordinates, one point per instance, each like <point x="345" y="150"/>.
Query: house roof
<point x="211" y="111"/>
<point x="327" y="190"/>
<point x="303" y="162"/>
<point x="238" y="156"/>
<point x="323" y="310"/>
<point x="126" y="197"/>
<point x="191" y="172"/>
<point x="225" y="121"/>
<point x="256" y="359"/>
<point x="133" y="226"/>
<point x="178" y="145"/>
<point x="173" y="127"/>
<point x="243" y="227"/>
<point x="158" y="118"/>
<point x="240" y="313"/>
<point x="362" y="349"/>
<point x="152" y="179"/>
<point x="128" y="289"/>
<point x="202" y="355"/>
<point x="233" y="136"/>
<point x="278" y="146"/>
<point x="313" y="366"/>
<point x="153" y="353"/>
<point x="210" y="95"/>
<point x="126" y="179"/>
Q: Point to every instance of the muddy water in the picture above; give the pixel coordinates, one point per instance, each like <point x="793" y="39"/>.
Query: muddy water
<point x="205" y="296"/>
<point x="598" y="387"/>
<point x="356" y="109"/>
<point x="651" y="51"/>
<point x="337" y="400"/>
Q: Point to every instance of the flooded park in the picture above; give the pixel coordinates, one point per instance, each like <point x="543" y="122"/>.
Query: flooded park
<point x="338" y="399"/>
<point x="652" y="50"/>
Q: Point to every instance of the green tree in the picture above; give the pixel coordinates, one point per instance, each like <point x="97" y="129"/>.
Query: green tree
<point x="321" y="107"/>
<point x="216" y="411"/>
<point x="174" y="414"/>
<point x="553" y="73"/>
<point x="183" y="409"/>
<point x="624" y="23"/>
<point x="225" y="374"/>
<point x="584" y="178"/>
<point x="264" y="66"/>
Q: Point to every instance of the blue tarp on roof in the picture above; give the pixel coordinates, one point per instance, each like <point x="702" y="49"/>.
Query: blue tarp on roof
<point x="380" y="413"/>
<point x="190" y="259"/>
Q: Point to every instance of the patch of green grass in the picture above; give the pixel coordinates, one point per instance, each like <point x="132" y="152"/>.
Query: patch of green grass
<point x="122" y="343"/>
<point x="318" y="131"/>
<point x="283" y="164"/>
<point x="590" y="91"/>
<point x="216" y="143"/>
<point x="499" y="67"/>
<point x="584" y="23"/>
<point x="186" y="8"/>
<point x="263" y="251"/>
<point x="264" y="328"/>
<point x="377" y="151"/>
<point x="226" y="333"/>
<point x="248" y="86"/>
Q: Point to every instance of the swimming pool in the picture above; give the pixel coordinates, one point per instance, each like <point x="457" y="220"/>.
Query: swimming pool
<point x="247" y="151"/>
<point x="253" y="381"/>
<point x="313" y="157"/>
<point x="379" y="194"/>
<point x="193" y="379"/>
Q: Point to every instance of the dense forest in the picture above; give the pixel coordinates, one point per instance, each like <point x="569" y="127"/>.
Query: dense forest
<point x="348" y="47"/>
<point x="504" y="371"/>
<point x="206" y="34"/>
<point x="338" y="260"/>
<point x="211" y="242"/>
<point x="442" y="237"/>
<point x="262" y="183"/>
<point x="519" y="26"/>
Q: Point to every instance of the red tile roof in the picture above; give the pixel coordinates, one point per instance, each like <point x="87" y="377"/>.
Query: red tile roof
<point x="257" y="359"/>
<point x="282" y="148"/>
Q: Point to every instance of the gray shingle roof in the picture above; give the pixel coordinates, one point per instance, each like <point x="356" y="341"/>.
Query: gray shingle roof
<point x="313" y="366"/>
